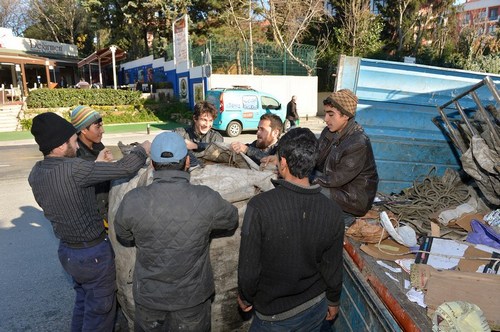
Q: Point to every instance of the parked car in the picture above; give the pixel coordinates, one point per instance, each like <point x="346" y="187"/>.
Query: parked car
<point x="239" y="108"/>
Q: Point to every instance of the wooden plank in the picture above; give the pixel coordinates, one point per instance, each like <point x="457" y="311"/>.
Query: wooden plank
<point x="409" y="315"/>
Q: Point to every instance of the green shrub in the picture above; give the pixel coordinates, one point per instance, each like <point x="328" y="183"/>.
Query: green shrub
<point x="150" y="111"/>
<point x="51" y="98"/>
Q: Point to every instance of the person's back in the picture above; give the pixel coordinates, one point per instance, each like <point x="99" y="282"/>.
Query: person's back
<point x="299" y="226"/>
<point x="170" y="222"/>
<point x="176" y="228"/>
<point x="63" y="187"/>
<point x="290" y="263"/>
<point x="83" y="84"/>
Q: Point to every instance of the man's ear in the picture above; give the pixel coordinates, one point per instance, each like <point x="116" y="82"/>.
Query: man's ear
<point x="60" y="149"/>
<point x="276" y="133"/>
<point x="282" y="166"/>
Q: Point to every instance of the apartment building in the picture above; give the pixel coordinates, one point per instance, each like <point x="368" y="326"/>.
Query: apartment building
<point x="483" y="15"/>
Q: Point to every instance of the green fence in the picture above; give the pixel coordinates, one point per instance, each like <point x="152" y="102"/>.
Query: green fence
<point x="268" y="59"/>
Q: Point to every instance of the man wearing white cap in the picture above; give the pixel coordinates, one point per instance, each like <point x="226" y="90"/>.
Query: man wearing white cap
<point x="173" y="280"/>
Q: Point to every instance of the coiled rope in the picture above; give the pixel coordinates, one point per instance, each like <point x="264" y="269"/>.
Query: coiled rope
<point x="416" y="205"/>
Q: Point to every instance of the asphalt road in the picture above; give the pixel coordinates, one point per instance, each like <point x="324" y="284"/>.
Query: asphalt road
<point x="36" y="293"/>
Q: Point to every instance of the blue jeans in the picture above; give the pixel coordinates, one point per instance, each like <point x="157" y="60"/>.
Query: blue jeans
<point x="309" y="320"/>
<point x="94" y="280"/>
<point x="195" y="319"/>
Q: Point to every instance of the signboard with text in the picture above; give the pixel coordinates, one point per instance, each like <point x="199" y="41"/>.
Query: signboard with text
<point x="180" y="31"/>
<point x="36" y="46"/>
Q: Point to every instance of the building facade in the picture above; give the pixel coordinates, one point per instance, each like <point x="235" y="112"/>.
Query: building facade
<point x="483" y="15"/>
<point x="27" y="63"/>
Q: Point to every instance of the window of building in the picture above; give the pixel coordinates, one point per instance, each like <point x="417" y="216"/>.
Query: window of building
<point x="493" y="14"/>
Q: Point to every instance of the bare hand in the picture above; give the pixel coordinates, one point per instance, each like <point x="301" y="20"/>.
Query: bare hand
<point x="105" y="155"/>
<point x="147" y="146"/>
<point x="332" y="312"/>
<point x="271" y="160"/>
<point x="191" y="145"/>
<point x="239" y="147"/>
<point x="243" y="306"/>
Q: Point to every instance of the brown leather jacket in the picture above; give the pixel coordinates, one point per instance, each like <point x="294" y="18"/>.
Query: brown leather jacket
<point x="348" y="166"/>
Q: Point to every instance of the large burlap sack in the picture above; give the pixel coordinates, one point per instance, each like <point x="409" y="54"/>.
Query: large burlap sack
<point x="237" y="186"/>
<point x="221" y="153"/>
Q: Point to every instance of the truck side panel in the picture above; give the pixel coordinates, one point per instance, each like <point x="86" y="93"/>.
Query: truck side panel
<point x="397" y="103"/>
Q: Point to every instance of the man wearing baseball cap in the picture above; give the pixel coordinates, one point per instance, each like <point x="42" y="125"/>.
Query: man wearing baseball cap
<point x="63" y="187"/>
<point x="170" y="222"/>
<point x="346" y="165"/>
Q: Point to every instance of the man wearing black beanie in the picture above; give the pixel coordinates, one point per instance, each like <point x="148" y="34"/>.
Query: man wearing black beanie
<point x="63" y="187"/>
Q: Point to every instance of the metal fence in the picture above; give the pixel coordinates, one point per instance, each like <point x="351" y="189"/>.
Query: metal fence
<point x="234" y="58"/>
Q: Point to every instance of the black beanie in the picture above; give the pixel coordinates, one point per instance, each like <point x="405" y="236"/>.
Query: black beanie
<point x="50" y="131"/>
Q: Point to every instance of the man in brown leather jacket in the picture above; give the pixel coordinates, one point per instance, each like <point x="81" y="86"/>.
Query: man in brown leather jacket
<point x="346" y="166"/>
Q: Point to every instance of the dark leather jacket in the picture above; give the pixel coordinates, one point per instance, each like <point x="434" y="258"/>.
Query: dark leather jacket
<point x="203" y="141"/>
<point x="348" y="166"/>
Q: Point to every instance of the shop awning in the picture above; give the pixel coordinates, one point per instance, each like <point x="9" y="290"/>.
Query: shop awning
<point x="23" y="58"/>
<point x="105" y="56"/>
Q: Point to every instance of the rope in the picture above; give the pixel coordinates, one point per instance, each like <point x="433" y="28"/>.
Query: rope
<point x="433" y="194"/>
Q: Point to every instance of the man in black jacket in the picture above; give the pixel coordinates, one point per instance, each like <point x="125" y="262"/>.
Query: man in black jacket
<point x="290" y="263"/>
<point x="200" y="135"/>
<point x="291" y="112"/>
<point x="346" y="164"/>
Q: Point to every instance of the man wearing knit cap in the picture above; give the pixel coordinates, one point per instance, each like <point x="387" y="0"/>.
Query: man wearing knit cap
<point x="63" y="187"/>
<point x="89" y="128"/>
<point x="346" y="166"/>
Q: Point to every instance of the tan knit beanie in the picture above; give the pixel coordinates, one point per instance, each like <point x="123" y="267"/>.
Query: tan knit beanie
<point x="343" y="100"/>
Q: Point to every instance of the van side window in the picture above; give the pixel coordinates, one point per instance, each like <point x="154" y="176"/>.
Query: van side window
<point x="250" y="102"/>
<point x="270" y="103"/>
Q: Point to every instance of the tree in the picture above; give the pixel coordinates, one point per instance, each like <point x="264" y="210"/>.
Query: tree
<point x="12" y="15"/>
<point x="289" y="21"/>
<point x="56" y="20"/>
<point x="357" y="29"/>
<point x="400" y="19"/>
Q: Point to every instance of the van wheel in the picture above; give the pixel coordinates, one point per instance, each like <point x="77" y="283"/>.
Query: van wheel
<point x="233" y="129"/>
